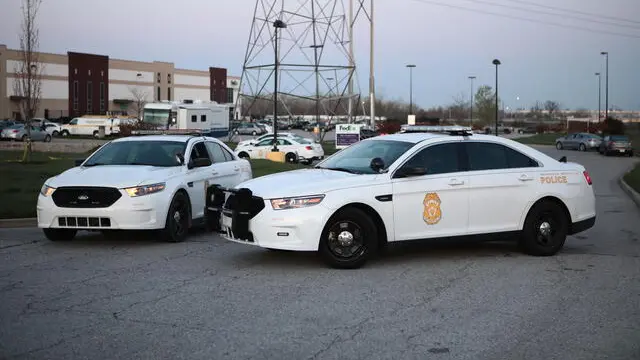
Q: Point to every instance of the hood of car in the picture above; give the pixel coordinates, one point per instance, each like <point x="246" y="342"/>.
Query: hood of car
<point x="119" y="176"/>
<point x="304" y="182"/>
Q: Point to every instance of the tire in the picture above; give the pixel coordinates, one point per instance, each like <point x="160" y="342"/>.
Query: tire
<point x="544" y="216"/>
<point x="582" y="147"/>
<point x="359" y="228"/>
<point x="559" y="146"/>
<point x="47" y="138"/>
<point x="237" y="132"/>
<point x="176" y="226"/>
<point x="55" y="133"/>
<point x="254" y="133"/>
<point x="65" y="133"/>
<point x="23" y="138"/>
<point x="291" y="158"/>
<point x="59" y="234"/>
<point x="244" y="155"/>
<point x="96" y="134"/>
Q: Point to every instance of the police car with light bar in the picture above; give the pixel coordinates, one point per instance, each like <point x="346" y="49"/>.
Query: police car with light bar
<point x="155" y="182"/>
<point x="444" y="183"/>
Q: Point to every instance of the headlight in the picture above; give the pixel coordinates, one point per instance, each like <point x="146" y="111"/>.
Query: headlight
<point x="145" y="189"/>
<point x="47" y="190"/>
<point x="297" y="202"/>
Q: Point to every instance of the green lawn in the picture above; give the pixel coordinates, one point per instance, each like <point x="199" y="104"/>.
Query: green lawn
<point x="540" y="139"/>
<point x="20" y="183"/>
<point x="633" y="178"/>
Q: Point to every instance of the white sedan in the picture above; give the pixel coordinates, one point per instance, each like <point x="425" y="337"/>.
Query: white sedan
<point x="407" y="187"/>
<point x="284" y="135"/>
<point x="153" y="182"/>
<point x="296" y="149"/>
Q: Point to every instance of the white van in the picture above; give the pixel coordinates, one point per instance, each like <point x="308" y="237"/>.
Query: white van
<point x="91" y="126"/>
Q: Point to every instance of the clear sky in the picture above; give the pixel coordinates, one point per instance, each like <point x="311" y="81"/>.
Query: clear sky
<point x="447" y="43"/>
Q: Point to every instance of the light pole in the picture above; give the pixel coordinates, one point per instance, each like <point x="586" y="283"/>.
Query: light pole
<point x="278" y="24"/>
<point x="496" y="62"/>
<point x="411" y="66"/>
<point x="599" y="96"/>
<point x="471" y="106"/>
<point x="606" y="96"/>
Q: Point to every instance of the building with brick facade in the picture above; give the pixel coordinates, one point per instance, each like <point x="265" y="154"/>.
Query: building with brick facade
<point x="78" y="84"/>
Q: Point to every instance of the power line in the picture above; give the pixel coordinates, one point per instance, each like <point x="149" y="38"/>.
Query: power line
<point x="529" y="20"/>
<point x="576" y="11"/>
<point x="636" y="27"/>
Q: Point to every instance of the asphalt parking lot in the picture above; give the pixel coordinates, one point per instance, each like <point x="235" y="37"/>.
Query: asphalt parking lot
<point x="211" y="299"/>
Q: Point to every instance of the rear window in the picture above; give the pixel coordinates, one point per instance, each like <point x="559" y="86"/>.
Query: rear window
<point x="619" y="138"/>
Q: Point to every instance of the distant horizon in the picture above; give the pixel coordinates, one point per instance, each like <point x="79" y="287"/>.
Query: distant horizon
<point x="550" y="54"/>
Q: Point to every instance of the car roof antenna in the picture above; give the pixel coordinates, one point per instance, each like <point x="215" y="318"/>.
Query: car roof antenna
<point x="563" y="159"/>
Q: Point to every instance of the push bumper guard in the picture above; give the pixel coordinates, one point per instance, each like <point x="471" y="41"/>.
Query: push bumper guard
<point x="240" y="205"/>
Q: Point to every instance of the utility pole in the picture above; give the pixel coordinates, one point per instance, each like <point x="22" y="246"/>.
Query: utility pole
<point x="606" y="96"/>
<point x="496" y="62"/>
<point x="372" y="87"/>
<point x="351" y="62"/>
<point x="411" y="66"/>
<point x="278" y="24"/>
<point x="599" y="96"/>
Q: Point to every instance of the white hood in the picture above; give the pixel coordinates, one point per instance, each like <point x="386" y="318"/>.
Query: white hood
<point x="119" y="176"/>
<point x="304" y="182"/>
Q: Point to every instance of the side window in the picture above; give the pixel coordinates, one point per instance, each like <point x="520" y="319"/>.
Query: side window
<point x="199" y="151"/>
<point x="284" y="142"/>
<point x="437" y="159"/>
<point x="486" y="156"/>
<point x="194" y="118"/>
<point x="203" y="118"/>
<point x="266" y="142"/>
<point x="227" y="154"/>
<point x="216" y="152"/>
<point x="73" y="122"/>
<point x="517" y="159"/>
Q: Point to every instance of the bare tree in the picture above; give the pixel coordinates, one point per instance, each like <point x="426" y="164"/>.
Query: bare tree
<point x="551" y="107"/>
<point x="139" y="100"/>
<point x="28" y="71"/>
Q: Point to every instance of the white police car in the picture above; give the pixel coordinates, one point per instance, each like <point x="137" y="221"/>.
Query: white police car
<point x="406" y="187"/>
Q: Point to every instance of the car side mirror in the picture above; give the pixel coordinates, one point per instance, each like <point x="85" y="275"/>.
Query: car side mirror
<point x="180" y="158"/>
<point x="198" y="163"/>
<point x="79" y="162"/>
<point x="376" y="164"/>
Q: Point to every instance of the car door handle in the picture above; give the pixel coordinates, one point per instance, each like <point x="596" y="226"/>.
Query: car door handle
<point x="455" y="182"/>
<point x="214" y="173"/>
<point x="236" y="169"/>
<point x="524" y="177"/>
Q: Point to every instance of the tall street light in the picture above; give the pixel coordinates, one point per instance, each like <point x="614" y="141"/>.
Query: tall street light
<point x="411" y="66"/>
<point x="471" y="106"/>
<point x="606" y="96"/>
<point x="496" y="62"/>
<point x="599" y="96"/>
<point x="278" y="24"/>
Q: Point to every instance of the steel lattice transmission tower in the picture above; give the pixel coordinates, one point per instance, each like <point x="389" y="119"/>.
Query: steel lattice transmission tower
<point x="316" y="71"/>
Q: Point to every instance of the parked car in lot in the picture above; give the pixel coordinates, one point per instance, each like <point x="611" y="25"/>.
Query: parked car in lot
<point x="616" y="144"/>
<point x="579" y="141"/>
<point x="296" y="149"/>
<point x="19" y="132"/>
<point x="247" y="128"/>
<point x="154" y="182"/>
<point x="411" y="186"/>
<point x="285" y="135"/>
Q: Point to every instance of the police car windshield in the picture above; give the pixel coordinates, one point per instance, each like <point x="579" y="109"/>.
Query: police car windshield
<point x="357" y="158"/>
<point x="146" y="153"/>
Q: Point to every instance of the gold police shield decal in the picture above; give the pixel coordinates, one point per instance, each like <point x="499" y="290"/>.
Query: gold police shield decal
<point x="431" y="213"/>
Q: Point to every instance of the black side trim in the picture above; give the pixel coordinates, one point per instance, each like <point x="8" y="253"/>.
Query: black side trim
<point x="583" y="225"/>
<point x="384" y="198"/>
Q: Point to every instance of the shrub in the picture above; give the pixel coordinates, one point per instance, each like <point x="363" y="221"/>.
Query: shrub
<point x="126" y="129"/>
<point x="388" y="127"/>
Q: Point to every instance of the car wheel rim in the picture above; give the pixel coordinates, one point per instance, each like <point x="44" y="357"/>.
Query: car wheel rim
<point x="346" y="240"/>
<point x="178" y="218"/>
<point x="546" y="229"/>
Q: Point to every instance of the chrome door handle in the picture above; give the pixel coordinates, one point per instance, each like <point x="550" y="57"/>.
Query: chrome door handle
<point x="236" y="169"/>
<point x="525" y="178"/>
<point x="214" y="173"/>
<point x="455" y="182"/>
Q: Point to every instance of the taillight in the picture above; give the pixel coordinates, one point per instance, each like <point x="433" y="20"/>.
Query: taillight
<point x="15" y="131"/>
<point x="308" y="147"/>
<point x="587" y="177"/>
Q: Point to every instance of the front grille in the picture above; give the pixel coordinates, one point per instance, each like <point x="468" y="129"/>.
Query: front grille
<point x="84" y="222"/>
<point x="85" y="197"/>
<point x="257" y="204"/>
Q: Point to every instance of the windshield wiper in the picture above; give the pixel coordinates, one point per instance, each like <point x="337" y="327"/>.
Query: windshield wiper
<point x="340" y="169"/>
<point x="94" y="164"/>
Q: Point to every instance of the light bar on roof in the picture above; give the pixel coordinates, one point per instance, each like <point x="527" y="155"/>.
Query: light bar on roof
<point x="433" y="128"/>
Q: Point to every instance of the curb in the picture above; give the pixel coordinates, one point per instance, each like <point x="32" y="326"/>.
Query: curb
<point x="629" y="190"/>
<point x="18" y="223"/>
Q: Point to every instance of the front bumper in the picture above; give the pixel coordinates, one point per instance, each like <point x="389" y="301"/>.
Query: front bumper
<point x="250" y="220"/>
<point x="127" y="213"/>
